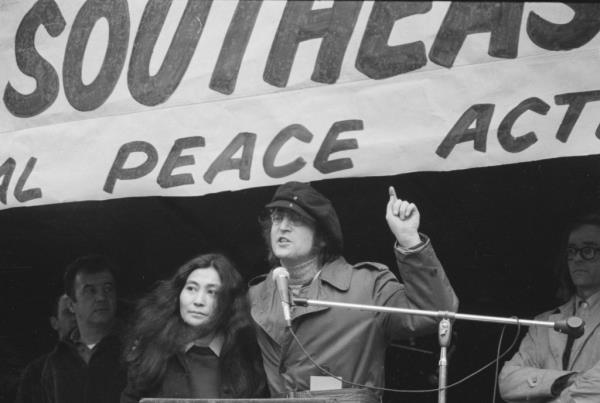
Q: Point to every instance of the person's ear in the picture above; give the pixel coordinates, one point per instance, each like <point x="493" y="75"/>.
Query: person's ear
<point x="70" y="305"/>
<point x="54" y="322"/>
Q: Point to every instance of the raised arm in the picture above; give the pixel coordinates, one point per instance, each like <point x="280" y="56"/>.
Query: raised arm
<point x="425" y="285"/>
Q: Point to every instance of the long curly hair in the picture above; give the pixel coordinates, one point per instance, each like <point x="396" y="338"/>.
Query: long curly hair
<point x="566" y="288"/>
<point x="158" y="332"/>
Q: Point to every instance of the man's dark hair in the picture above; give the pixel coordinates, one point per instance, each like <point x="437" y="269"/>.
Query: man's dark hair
<point x="328" y="250"/>
<point x="86" y="264"/>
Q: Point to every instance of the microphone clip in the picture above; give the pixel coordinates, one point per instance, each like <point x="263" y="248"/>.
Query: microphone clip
<point x="299" y="301"/>
<point x="573" y="326"/>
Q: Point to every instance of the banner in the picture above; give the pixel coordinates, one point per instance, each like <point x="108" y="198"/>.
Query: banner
<point x="108" y="99"/>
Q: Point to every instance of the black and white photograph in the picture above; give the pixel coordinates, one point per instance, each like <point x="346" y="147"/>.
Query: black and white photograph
<point x="294" y="201"/>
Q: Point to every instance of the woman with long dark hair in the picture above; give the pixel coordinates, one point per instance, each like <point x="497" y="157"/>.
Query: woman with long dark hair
<point x="192" y="337"/>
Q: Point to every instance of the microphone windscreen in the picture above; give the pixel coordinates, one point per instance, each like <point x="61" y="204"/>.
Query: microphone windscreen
<point x="280" y="272"/>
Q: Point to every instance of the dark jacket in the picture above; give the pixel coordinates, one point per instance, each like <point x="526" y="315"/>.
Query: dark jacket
<point x="177" y="381"/>
<point x="30" y="389"/>
<point x="349" y="343"/>
<point x="67" y="378"/>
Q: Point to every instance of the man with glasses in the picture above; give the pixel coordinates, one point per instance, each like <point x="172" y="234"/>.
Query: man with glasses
<point x="551" y="366"/>
<point x="303" y="234"/>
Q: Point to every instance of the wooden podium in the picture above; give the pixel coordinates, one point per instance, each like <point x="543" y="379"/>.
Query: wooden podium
<point x="274" y="400"/>
<point x="349" y="395"/>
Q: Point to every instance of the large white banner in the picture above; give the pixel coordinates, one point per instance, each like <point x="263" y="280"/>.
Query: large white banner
<point x="107" y="99"/>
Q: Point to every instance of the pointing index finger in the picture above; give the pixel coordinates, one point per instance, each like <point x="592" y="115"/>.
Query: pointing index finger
<point x="392" y="192"/>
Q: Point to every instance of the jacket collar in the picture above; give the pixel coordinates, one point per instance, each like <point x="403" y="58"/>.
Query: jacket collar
<point x="338" y="274"/>
<point x="266" y="304"/>
<point x="74" y="338"/>
<point x="215" y="345"/>
<point x="592" y="301"/>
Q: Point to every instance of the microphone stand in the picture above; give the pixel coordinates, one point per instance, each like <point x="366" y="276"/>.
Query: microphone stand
<point x="572" y="326"/>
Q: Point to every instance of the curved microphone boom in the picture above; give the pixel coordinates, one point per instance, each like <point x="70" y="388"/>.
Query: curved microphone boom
<point x="281" y="276"/>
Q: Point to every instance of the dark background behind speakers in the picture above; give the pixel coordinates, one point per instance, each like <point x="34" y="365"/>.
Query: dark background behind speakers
<point x="497" y="230"/>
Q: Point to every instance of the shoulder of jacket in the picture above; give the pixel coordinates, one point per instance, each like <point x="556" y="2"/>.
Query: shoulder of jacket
<point x="546" y="314"/>
<point x="257" y="281"/>
<point x="371" y="266"/>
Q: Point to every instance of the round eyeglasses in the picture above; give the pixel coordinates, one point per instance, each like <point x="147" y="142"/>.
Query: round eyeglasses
<point x="586" y="253"/>
<point x="293" y="218"/>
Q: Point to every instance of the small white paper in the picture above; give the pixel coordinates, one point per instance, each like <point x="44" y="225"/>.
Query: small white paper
<point x="324" y="383"/>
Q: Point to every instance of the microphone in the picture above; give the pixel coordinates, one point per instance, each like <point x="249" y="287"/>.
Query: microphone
<point x="281" y="276"/>
<point x="573" y="326"/>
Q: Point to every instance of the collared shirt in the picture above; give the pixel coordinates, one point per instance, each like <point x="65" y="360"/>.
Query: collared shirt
<point x="215" y="345"/>
<point x="75" y="373"/>
<point x="583" y="308"/>
<point x="201" y="365"/>
<point x="83" y="350"/>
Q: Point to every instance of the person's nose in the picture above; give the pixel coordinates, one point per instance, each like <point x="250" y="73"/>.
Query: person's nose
<point x="101" y="295"/>
<point x="200" y="298"/>
<point x="577" y="258"/>
<point x="286" y="224"/>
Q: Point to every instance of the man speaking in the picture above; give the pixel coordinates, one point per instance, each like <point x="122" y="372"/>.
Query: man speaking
<point x="304" y="237"/>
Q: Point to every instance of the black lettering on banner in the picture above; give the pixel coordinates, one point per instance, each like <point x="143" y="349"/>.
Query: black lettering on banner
<point x="375" y="58"/>
<point x="225" y="161"/>
<point x="297" y="131"/>
<point x="29" y="194"/>
<point x="225" y="73"/>
<point x="118" y="170"/>
<point x="32" y="64"/>
<point x="6" y="172"/>
<point x="503" y="20"/>
<point x="175" y="159"/>
<point x="89" y="97"/>
<point x="584" y="26"/>
<point x="481" y="114"/>
<point x="517" y="144"/>
<point x="576" y="102"/>
<point x="331" y="145"/>
<point x="300" y="23"/>
<point x="153" y="90"/>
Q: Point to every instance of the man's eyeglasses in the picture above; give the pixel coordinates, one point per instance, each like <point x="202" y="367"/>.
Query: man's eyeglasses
<point x="293" y="218"/>
<point x="586" y="253"/>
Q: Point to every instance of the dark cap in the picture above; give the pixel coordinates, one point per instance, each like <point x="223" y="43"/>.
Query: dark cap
<point x="306" y="201"/>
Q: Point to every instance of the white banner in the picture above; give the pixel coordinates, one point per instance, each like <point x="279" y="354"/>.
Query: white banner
<point x="108" y="99"/>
